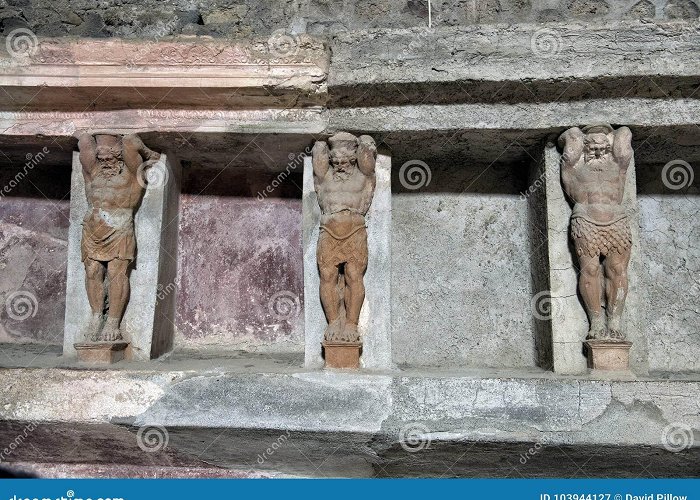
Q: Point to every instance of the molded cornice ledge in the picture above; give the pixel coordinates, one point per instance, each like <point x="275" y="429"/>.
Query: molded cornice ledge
<point x="143" y="85"/>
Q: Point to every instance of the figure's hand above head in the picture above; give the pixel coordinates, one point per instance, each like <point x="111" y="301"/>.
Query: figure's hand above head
<point x="571" y="143"/>
<point x="366" y="154"/>
<point x="320" y="159"/>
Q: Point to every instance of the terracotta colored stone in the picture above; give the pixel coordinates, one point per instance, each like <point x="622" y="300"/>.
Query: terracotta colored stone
<point x="101" y="352"/>
<point x="593" y="172"/>
<point x="342" y="354"/>
<point x="608" y="355"/>
<point x="115" y="171"/>
<point x="344" y="180"/>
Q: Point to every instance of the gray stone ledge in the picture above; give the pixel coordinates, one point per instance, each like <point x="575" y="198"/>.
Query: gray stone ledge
<point x="483" y="406"/>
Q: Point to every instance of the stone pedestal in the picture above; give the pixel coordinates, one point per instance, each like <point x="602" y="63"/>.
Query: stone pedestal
<point x="342" y="354"/>
<point x="375" y="317"/>
<point x="104" y="353"/>
<point x="565" y="312"/>
<point x="148" y="320"/>
<point x="607" y="355"/>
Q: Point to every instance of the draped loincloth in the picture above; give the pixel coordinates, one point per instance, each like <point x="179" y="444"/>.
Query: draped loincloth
<point x="108" y="235"/>
<point x="594" y="239"/>
<point x="342" y="240"/>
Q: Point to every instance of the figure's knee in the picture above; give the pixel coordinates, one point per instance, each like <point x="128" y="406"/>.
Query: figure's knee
<point x="354" y="274"/>
<point x="117" y="271"/>
<point x="617" y="270"/>
<point x="94" y="270"/>
<point x="328" y="274"/>
<point x="590" y="270"/>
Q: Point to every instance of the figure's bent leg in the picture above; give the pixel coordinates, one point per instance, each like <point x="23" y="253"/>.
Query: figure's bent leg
<point x="94" y="285"/>
<point x="590" y="286"/>
<point x="616" y="284"/>
<point x="118" y="297"/>
<point x="354" y="297"/>
<point x="330" y="296"/>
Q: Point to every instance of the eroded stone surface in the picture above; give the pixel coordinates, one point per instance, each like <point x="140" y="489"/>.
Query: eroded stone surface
<point x="460" y="240"/>
<point x="33" y="250"/>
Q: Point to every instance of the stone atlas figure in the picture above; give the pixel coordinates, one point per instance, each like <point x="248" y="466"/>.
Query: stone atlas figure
<point x="344" y="180"/>
<point x="593" y="172"/>
<point x="114" y="172"/>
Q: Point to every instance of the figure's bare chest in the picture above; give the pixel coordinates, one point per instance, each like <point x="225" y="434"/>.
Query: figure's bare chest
<point x="123" y="180"/>
<point x="596" y="173"/>
<point x="332" y="183"/>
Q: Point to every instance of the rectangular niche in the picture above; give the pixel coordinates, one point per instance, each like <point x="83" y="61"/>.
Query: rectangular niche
<point x="34" y="219"/>
<point x="240" y="272"/>
<point x="461" y="267"/>
<point x="669" y="237"/>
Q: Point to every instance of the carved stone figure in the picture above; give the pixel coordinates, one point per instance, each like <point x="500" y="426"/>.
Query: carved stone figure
<point x="593" y="172"/>
<point x="114" y="172"/>
<point x="344" y="180"/>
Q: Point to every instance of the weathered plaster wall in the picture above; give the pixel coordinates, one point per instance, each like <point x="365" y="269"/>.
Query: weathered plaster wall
<point x="240" y="273"/>
<point x="33" y="252"/>
<point x="240" y="18"/>
<point x="461" y="269"/>
<point x="670" y="236"/>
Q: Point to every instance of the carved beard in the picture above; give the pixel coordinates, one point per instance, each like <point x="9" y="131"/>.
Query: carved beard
<point x="341" y="174"/>
<point x="111" y="167"/>
<point x="596" y="164"/>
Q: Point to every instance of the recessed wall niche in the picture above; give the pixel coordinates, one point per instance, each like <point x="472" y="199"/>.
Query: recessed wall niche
<point x="34" y="219"/>
<point x="240" y="273"/>
<point x="461" y="264"/>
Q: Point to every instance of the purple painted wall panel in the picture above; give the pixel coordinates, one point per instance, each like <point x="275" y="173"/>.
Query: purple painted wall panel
<point x="33" y="253"/>
<point x="240" y="271"/>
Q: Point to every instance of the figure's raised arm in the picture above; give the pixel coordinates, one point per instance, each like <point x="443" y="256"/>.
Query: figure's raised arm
<point x="622" y="147"/>
<point x="136" y="152"/>
<point x="571" y="143"/>
<point x="366" y="155"/>
<point x="320" y="159"/>
<point x="88" y="153"/>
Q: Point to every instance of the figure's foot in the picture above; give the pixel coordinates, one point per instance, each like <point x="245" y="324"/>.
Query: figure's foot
<point x="92" y="332"/>
<point x="111" y="331"/>
<point x="333" y="331"/>
<point x="350" y="333"/>
<point x="597" y="330"/>
<point x="615" y="329"/>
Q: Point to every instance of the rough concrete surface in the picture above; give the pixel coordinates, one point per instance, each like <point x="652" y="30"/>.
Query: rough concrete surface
<point x="153" y="19"/>
<point x="357" y="422"/>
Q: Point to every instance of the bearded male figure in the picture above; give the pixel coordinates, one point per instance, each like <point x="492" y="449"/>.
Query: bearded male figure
<point x="344" y="180"/>
<point x="114" y="172"/>
<point x="593" y="172"/>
